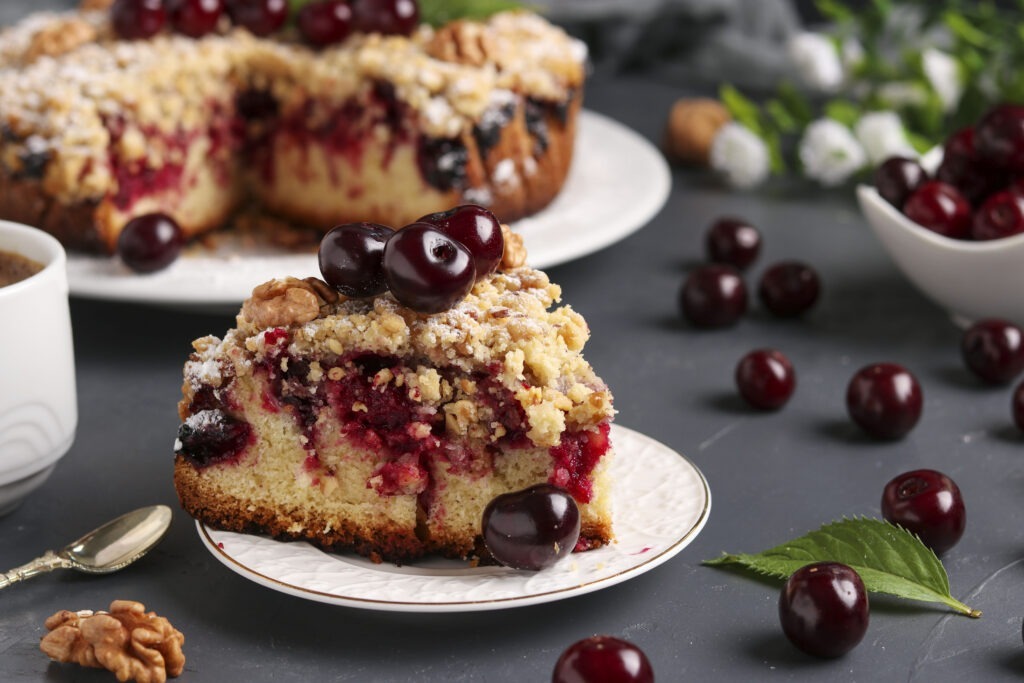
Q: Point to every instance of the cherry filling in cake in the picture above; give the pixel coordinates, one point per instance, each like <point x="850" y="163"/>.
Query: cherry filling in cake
<point x="362" y="424"/>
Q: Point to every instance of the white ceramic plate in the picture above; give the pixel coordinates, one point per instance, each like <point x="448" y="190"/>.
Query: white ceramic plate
<point x="617" y="183"/>
<point x="661" y="502"/>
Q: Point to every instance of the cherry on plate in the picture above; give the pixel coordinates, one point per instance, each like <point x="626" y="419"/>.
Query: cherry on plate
<point x="897" y="178"/>
<point x="325" y="22"/>
<point x="732" y="241"/>
<point x="713" y="296"/>
<point x="475" y="228"/>
<point x="399" y="17"/>
<point x="941" y="208"/>
<point x="1002" y="215"/>
<point x="926" y="503"/>
<point x="765" y="379"/>
<point x="885" y="400"/>
<point x="533" y="528"/>
<point x="138" y="19"/>
<point x="150" y="242"/>
<point x="427" y="270"/>
<point x="351" y="259"/>
<point x="789" y="288"/>
<point x="993" y="350"/>
<point x="603" y="659"/>
<point x="824" y="609"/>
<point x="196" y="18"/>
<point x="259" y="17"/>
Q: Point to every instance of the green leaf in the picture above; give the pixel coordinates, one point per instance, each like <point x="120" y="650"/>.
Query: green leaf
<point x="843" y="111"/>
<point x="888" y="558"/>
<point x="834" y="10"/>
<point x="438" y="12"/>
<point x="965" y="30"/>
<point x="742" y="108"/>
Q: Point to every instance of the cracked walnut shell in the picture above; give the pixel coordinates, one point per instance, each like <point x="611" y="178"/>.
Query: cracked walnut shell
<point x="692" y="126"/>
<point x="134" y="644"/>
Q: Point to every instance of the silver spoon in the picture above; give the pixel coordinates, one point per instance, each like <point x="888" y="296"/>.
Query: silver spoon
<point x="113" y="546"/>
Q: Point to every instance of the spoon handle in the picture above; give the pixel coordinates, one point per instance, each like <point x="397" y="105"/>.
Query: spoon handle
<point x="40" y="565"/>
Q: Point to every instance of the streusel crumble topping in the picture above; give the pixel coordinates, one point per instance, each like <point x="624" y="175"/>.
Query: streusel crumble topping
<point x="506" y="326"/>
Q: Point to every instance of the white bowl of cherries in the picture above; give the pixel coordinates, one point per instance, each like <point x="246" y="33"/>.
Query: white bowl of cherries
<point x="954" y="223"/>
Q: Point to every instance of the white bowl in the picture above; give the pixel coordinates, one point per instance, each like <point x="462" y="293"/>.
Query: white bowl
<point x="971" y="280"/>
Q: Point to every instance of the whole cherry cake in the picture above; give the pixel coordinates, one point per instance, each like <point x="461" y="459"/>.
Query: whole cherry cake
<point x="193" y="109"/>
<point x="385" y="422"/>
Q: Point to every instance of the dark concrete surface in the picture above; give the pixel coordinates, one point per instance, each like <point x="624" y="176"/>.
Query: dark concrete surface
<point x="772" y="476"/>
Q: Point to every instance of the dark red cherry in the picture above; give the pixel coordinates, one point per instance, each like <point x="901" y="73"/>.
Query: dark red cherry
<point x="325" y="22"/>
<point x="138" y="19"/>
<point x="926" y="503"/>
<point x="1001" y="215"/>
<point x="385" y="16"/>
<point x="993" y="350"/>
<point x="603" y="659"/>
<point x="427" y="270"/>
<point x="1017" y="406"/>
<point x="477" y="229"/>
<point x="941" y="208"/>
<point x="212" y="436"/>
<point x="196" y="18"/>
<point x="884" y="400"/>
<point x="789" y="288"/>
<point x="765" y="379"/>
<point x="260" y="17"/>
<point x="150" y="242"/>
<point x="897" y="178"/>
<point x="963" y="169"/>
<point x="713" y="296"/>
<point x="352" y="259"/>
<point x="533" y="528"/>
<point x="999" y="137"/>
<point x="824" y="609"/>
<point x="733" y="241"/>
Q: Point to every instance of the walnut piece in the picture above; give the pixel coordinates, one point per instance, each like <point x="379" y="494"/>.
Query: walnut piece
<point x="95" y="4"/>
<point x="692" y="126"/>
<point x="462" y="42"/>
<point x="514" y="255"/>
<point x="282" y="302"/>
<point x="129" y="641"/>
<point x="59" y="37"/>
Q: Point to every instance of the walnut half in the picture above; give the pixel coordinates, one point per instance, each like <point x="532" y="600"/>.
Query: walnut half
<point x="129" y="641"/>
<point x="282" y="302"/>
<point x="515" y="251"/>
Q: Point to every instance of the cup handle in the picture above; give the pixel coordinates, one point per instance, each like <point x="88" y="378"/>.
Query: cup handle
<point x="47" y="563"/>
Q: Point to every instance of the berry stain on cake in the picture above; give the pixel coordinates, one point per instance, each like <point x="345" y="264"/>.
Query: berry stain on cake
<point x="361" y="424"/>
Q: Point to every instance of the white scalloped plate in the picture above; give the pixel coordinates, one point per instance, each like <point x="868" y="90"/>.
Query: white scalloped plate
<point x="617" y="183"/>
<point x="661" y="502"/>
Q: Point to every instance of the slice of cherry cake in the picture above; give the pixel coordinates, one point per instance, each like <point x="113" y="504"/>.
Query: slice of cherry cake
<point x="361" y="424"/>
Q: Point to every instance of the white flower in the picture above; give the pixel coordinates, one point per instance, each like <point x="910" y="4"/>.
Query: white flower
<point x="882" y="135"/>
<point x="829" y="152"/>
<point x="740" y="156"/>
<point x="816" y="61"/>
<point x="899" y="94"/>
<point x="852" y="54"/>
<point x="943" y="74"/>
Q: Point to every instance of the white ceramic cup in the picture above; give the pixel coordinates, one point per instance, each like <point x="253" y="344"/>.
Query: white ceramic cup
<point x="38" y="409"/>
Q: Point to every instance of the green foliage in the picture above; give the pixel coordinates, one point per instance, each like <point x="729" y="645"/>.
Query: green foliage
<point x="437" y="12"/>
<point x="888" y="558"/>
